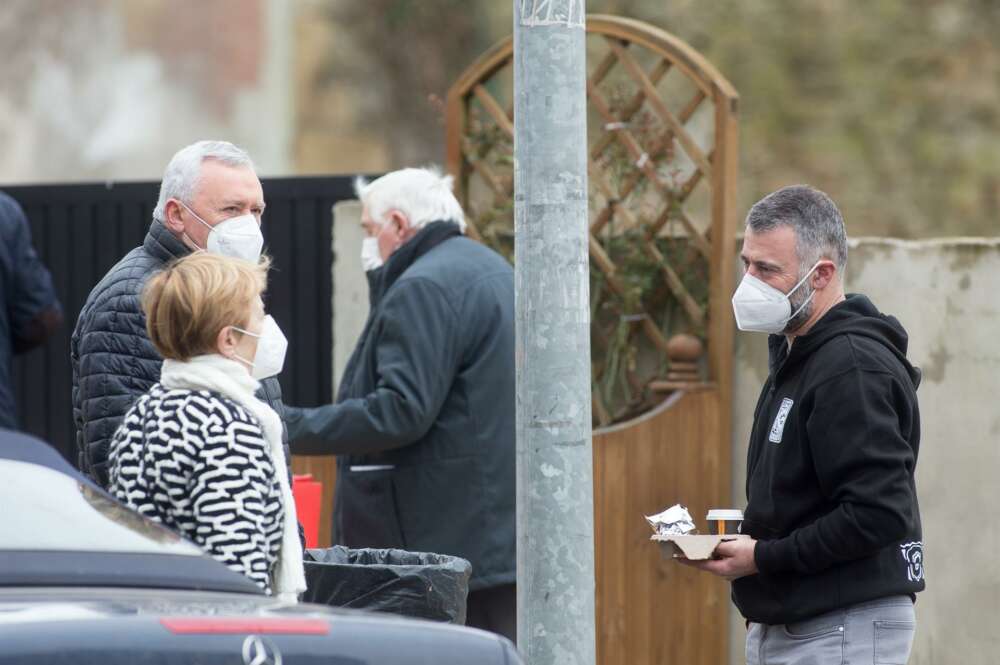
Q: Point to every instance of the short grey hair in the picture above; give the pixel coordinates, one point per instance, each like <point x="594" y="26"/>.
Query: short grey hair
<point x="818" y="224"/>
<point x="423" y="195"/>
<point x="180" y="180"/>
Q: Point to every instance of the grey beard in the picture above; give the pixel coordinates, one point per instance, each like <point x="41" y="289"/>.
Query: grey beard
<point x="799" y="319"/>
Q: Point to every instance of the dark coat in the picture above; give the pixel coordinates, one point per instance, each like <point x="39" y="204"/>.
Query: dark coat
<point x="29" y="310"/>
<point x="113" y="361"/>
<point x="831" y="496"/>
<point x="424" y="423"/>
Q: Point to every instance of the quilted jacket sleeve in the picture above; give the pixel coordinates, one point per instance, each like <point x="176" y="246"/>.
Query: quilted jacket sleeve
<point x="113" y="364"/>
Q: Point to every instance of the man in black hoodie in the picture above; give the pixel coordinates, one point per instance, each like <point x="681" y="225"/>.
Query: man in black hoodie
<point x="835" y="558"/>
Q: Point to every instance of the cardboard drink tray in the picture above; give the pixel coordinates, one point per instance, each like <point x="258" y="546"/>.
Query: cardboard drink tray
<point x="696" y="548"/>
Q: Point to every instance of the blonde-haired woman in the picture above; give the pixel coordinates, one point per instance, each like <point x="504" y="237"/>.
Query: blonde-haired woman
<point x="199" y="452"/>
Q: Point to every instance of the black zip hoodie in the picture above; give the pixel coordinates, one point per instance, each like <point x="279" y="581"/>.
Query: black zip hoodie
<point x="830" y="488"/>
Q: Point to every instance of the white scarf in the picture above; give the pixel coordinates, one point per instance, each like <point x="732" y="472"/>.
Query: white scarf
<point x="228" y="377"/>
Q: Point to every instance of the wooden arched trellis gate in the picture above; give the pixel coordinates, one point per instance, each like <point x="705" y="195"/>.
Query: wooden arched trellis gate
<point x="663" y="167"/>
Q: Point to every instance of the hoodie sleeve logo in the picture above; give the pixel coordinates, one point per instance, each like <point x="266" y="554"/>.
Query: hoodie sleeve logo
<point x="913" y="555"/>
<point x="778" y="428"/>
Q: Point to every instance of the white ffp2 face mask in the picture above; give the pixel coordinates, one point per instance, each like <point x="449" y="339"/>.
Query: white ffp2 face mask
<point x="371" y="259"/>
<point x="272" y="345"/>
<point x="759" y="307"/>
<point x="238" y="237"/>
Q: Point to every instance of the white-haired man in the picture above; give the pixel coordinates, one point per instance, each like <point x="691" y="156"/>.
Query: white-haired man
<point x="210" y="199"/>
<point x="423" y="425"/>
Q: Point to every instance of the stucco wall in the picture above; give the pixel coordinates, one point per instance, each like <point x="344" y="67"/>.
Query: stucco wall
<point x="350" y="288"/>
<point x="946" y="293"/>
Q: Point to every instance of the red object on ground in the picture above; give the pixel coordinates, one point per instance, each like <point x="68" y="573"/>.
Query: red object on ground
<point x="308" y="494"/>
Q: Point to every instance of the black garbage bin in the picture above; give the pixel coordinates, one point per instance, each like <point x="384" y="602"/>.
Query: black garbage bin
<point x="414" y="584"/>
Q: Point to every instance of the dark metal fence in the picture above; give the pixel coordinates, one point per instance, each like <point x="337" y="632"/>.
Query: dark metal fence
<point x="81" y="231"/>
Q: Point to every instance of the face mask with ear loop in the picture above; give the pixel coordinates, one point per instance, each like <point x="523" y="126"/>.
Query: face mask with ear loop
<point x="371" y="259"/>
<point x="238" y="237"/>
<point x="759" y="307"/>
<point x="269" y="359"/>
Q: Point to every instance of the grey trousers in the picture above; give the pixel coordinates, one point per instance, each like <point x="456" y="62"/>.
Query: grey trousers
<point x="879" y="632"/>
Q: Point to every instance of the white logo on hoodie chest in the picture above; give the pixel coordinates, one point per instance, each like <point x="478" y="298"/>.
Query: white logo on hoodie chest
<point x="778" y="427"/>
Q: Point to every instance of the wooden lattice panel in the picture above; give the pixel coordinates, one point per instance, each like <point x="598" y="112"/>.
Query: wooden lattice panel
<point x="661" y="172"/>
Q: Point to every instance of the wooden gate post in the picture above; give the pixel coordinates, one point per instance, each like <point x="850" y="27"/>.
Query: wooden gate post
<point x="663" y="169"/>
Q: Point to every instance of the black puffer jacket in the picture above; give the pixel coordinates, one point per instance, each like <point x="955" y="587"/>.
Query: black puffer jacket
<point x="113" y="360"/>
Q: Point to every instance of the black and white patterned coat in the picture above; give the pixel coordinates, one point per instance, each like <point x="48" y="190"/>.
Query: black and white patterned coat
<point x="198" y="463"/>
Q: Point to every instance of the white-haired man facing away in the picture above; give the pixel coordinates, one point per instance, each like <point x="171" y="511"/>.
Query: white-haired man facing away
<point x="423" y="425"/>
<point x="210" y="199"/>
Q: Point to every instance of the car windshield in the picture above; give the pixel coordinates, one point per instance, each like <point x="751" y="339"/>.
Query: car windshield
<point x="50" y="511"/>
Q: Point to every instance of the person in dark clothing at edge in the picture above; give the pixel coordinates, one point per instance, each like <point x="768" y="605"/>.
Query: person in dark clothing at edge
<point x="29" y="309"/>
<point x="210" y="199"/>
<point x="835" y="557"/>
<point x="424" y="423"/>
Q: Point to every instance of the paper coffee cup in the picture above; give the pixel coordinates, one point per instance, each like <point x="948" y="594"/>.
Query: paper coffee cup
<point x="724" y="521"/>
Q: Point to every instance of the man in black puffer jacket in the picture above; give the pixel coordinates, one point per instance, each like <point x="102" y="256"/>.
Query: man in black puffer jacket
<point x="834" y="560"/>
<point x="210" y="199"/>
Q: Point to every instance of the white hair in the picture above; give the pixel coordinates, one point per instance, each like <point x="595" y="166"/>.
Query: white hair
<point x="423" y="195"/>
<point x="180" y="180"/>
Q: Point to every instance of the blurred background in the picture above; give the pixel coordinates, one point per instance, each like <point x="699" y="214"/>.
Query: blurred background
<point x="893" y="107"/>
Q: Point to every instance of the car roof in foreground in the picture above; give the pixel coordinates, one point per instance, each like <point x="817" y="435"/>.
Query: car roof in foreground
<point x="119" y="624"/>
<point x="59" y="529"/>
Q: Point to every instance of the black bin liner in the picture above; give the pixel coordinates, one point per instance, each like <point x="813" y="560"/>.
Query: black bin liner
<point x="413" y="584"/>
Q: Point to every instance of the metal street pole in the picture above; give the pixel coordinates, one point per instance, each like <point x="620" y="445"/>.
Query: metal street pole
<point x="555" y="507"/>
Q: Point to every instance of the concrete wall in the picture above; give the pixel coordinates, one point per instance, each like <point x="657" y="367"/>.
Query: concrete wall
<point x="350" y="288"/>
<point x="946" y="293"/>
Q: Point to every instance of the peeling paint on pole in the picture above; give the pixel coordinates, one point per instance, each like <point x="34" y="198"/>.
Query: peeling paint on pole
<point x="566" y="13"/>
<point x="555" y="565"/>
